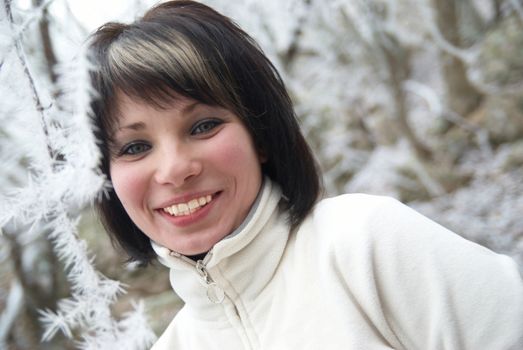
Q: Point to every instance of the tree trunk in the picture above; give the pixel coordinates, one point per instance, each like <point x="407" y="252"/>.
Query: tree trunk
<point x="288" y="57"/>
<point x="47" y="44"/>
<point x="25" y="332"/>
<point x="462" y="97"/>
<point x="496" y="4"/>
<point x="398" y="68"/>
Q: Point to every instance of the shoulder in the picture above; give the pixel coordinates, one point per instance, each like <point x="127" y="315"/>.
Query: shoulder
<point x="361" y="216"/>
<point x="359" y="208"/>
<point x="383" y="226"/>
<point x="380" y="234"/>
<point x="418" y="270"/>
<point x="353" y="208"/>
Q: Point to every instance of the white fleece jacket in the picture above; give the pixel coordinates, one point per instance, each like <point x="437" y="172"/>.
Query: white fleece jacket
<point x="361" y="272"/>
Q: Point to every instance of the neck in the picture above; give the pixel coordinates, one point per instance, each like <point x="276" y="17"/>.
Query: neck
<point x="197" y="257"/>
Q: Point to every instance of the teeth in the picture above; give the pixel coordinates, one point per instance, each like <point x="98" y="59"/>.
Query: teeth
<point x="193" y="204"/>
<point x="190" y="207"/>
<point x="183" y="207"/>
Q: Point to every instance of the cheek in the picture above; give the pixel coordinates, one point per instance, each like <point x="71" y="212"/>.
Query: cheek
<point x="237" y="155"/>
<point x="127" y="184"/>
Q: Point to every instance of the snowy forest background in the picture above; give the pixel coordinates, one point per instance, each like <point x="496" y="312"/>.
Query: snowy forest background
<point x="418" y="99"/>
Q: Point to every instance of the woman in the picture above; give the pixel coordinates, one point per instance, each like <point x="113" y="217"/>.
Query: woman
<point x="212" y="176"/>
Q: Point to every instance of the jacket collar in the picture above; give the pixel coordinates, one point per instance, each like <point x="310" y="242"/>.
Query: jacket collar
<point x="241" y="264"/>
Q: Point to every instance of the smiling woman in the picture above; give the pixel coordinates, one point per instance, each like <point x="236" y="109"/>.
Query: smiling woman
<point x="186" y="174"/>
<point x="212" y="176"/>
<point x="183" y="55"/>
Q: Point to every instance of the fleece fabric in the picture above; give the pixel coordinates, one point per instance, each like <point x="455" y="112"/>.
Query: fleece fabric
<point x="361" y="272"/>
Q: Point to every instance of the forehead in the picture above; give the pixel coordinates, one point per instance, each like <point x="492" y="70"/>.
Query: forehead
<point x="126" y="103"/>
<point x="128" y="107"/>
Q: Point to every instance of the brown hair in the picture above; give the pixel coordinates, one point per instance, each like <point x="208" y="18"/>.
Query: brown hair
<point x="186" y="48"/>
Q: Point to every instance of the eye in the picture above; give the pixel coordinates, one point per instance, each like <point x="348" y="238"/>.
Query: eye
<point x="205" y="126"/>
<point x="135" y="148"/>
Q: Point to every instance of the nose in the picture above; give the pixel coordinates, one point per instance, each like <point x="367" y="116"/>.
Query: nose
<point x="176" y="165"/>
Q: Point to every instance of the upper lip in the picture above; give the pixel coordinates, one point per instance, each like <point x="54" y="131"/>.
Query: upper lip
<point x="185" y="198"/>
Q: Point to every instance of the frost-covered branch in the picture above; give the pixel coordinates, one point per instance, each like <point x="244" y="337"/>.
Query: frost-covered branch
<point x="476" y="78"/>
<point x="10" y="41"/>
<point x="516" y="5"/>
<point x="13" y="304"/>
<point x="290" y="54"/>
<point x="59" y="185"/>
<point x="468" y="56"/>
<point x="433" y="187"/>
<point x="23" y="61"/>
<point x="47" y="42"/>
<point x="437" y="108"/>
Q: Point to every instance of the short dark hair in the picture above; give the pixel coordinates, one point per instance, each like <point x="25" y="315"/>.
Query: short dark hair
<point x="187" y="49"/>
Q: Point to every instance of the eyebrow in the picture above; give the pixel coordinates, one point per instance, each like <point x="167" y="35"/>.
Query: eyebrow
<point x="141" y="126"/>
<point x="134" y="126"/>
<point x="190" y="107"/>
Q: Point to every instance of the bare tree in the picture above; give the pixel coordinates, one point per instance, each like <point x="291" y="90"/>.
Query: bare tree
<point x="397" y="60"/>
<point x="462" y="96"/>
<point x="47" y="43"/>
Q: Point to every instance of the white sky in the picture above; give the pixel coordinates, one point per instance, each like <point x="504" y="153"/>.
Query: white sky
<point x="91" y="13"/>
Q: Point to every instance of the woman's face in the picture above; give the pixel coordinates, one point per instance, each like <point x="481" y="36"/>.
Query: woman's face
<point x="186" y="175"/>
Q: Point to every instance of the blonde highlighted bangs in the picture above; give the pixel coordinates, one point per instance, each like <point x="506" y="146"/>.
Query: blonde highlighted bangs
<point x="156" y="63"/>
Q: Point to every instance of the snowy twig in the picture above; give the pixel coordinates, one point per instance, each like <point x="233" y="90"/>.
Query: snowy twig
<point x="17" y="34"/>
<point x="517" y="7"/>
<point x="130" y="333"/>
<point x="436" y="107"/>
<point x="23" y="61"/>
<point x="58" y="189"/>
<point x="433" y="187"/>
<point x="468" y="56"/>
<point x="427" y="94"/>
<point x="290" y="53"/>
<point x="474" y="76"/>
<point x="13" y="304"/>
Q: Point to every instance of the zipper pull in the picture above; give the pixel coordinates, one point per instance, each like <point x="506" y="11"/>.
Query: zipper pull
<point x="214" y="292"/>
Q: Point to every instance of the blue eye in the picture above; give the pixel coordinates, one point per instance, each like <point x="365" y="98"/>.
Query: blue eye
<point x="205" y="126"/>
<point x="135" y="148"/>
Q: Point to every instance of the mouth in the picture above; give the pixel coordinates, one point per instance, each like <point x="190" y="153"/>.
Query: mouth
<point x="190" y="207"/>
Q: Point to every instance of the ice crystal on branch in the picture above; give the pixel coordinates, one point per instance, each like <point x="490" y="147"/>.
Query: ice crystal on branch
<point x="61" y="178"/>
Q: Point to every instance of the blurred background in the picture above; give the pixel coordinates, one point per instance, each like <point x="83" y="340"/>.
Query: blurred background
<point x="421" y="100"/>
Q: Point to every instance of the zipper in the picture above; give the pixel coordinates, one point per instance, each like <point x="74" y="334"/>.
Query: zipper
<point x="215" y="293"/>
